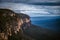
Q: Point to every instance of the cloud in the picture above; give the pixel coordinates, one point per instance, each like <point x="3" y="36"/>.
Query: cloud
<point x="32" y="10"/>
<point x="29" y="1"/>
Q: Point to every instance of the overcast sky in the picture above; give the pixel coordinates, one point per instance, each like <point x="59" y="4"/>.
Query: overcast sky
<point x="32" y="10"/>
<point x="43" y="7"/>
<point x="29" y="1"/>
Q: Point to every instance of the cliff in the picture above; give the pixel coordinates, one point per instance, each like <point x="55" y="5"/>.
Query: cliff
<point x="18" y="26"/>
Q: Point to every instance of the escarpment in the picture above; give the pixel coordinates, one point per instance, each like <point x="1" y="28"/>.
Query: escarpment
<point x="12" y="25"/>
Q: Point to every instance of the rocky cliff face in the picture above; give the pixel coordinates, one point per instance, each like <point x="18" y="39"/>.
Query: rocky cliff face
<point x="12" y="23"/>
<point x="26" y="22"/>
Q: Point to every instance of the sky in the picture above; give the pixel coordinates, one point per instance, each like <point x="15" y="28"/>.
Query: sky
<point x="33" y="7"/>
<point x="29" y="1"/>
<point x="32" y="10"/>
<point x="35" y="2"/>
